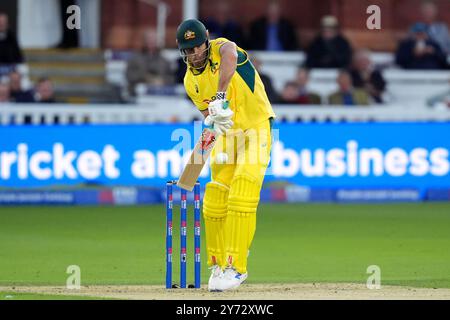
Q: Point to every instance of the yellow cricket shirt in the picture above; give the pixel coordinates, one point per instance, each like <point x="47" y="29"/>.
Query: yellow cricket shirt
<point x="246" y="93"/>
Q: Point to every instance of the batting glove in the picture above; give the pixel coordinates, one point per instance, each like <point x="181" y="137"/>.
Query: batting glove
<point x="222" y="128"/>
<point x="219" y="127"/>
<point x="219" y="109"/>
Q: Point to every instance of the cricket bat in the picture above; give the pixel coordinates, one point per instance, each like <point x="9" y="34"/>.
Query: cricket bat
<point x="198" y="158"/>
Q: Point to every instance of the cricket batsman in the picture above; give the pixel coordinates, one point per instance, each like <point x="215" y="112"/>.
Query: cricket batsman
<point x="224" y="85"/>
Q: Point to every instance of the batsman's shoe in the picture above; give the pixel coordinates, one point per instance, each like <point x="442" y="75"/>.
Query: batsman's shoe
<point x="216" y="274"/>
<point x="231" y="279"/>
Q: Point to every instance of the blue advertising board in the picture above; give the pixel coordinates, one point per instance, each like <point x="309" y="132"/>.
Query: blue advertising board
<point x="410" y="156"/>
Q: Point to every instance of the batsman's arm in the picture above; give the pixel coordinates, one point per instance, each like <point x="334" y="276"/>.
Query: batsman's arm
<point x="228" y="64"/>
<point x="205" y="113"/>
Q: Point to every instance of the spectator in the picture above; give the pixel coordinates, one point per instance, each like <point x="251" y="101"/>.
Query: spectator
<point x="44" y="92"/>
<point x="365" y="76"/>
<point x="437" y="31"/>
<point x="181" y="71"/>
<point x="272" y="32"/>
<point x="222" y="25"/>
<point x="290" y="93"/>
<point x="305" y="96"/>
<point x="4" y="93"/>
<point x="15" y="86"/>
<point x="149" y="66"/>
<point x="329" y="49"/>
<point x="10" y="52"/>
<point x="347" y="94"/>
<point x="267" y="81"/>
<point x="420" y="52"/>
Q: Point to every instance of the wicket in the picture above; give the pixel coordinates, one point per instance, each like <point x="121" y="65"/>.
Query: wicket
<point x="183" y="236"/>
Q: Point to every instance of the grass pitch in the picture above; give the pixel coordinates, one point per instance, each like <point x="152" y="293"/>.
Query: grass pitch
<point x="294" y="243"/>
<point x="8" y="296"/>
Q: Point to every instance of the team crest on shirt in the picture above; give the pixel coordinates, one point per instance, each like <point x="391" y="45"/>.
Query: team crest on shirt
<point x="214" y="67"/>
<point x="188" y="35"/>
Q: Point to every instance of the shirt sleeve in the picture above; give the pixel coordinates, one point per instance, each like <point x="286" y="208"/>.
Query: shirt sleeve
<point x="217" y="43"/>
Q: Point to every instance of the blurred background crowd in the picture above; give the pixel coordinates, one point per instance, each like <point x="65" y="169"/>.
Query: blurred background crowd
<point x="125" y="50"/>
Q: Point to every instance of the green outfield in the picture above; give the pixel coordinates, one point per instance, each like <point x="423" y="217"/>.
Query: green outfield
<point x="32" y="296"/>
<point x="293" y="243"/>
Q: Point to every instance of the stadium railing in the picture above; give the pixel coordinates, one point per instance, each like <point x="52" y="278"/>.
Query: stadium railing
<point x="157" y="110"/>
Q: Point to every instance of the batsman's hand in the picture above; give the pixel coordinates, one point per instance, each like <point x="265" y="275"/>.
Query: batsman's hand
<point x="219" y="110"/>
<point x="222" y="128"/>
<point x="219" y="127"/>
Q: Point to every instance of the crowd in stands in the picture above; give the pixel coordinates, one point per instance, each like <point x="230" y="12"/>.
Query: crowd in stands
<point x="148" y="66"/>
<point x="12" y="90"/>
<point x="420" y="51"/>
<point x="360" y="84"/>
<point x="11" y="82"/>
<point x="359" y="81"/>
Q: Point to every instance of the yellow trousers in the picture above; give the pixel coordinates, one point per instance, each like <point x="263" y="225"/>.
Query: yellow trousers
<point x="231" y="198"/>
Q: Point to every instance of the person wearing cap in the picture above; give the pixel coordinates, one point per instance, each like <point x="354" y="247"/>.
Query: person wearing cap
<point x="329" y="49"/>
<point x="226" y="88"/>
<point x="419" y="51"/>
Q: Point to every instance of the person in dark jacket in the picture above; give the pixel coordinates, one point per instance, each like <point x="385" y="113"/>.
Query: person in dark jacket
<point x="272" y="32"/>
<point x="17" y="93"/>
<point x="10" y="52"/>
<point x="366" y="76"/>
<point x="180" y="71"/>
<point x="267" y="81"/>
<point x="44" y="92"/>
<point x="329" y="49"/>
<point x="222" y="25"/>
<point x="420" y="52"/>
